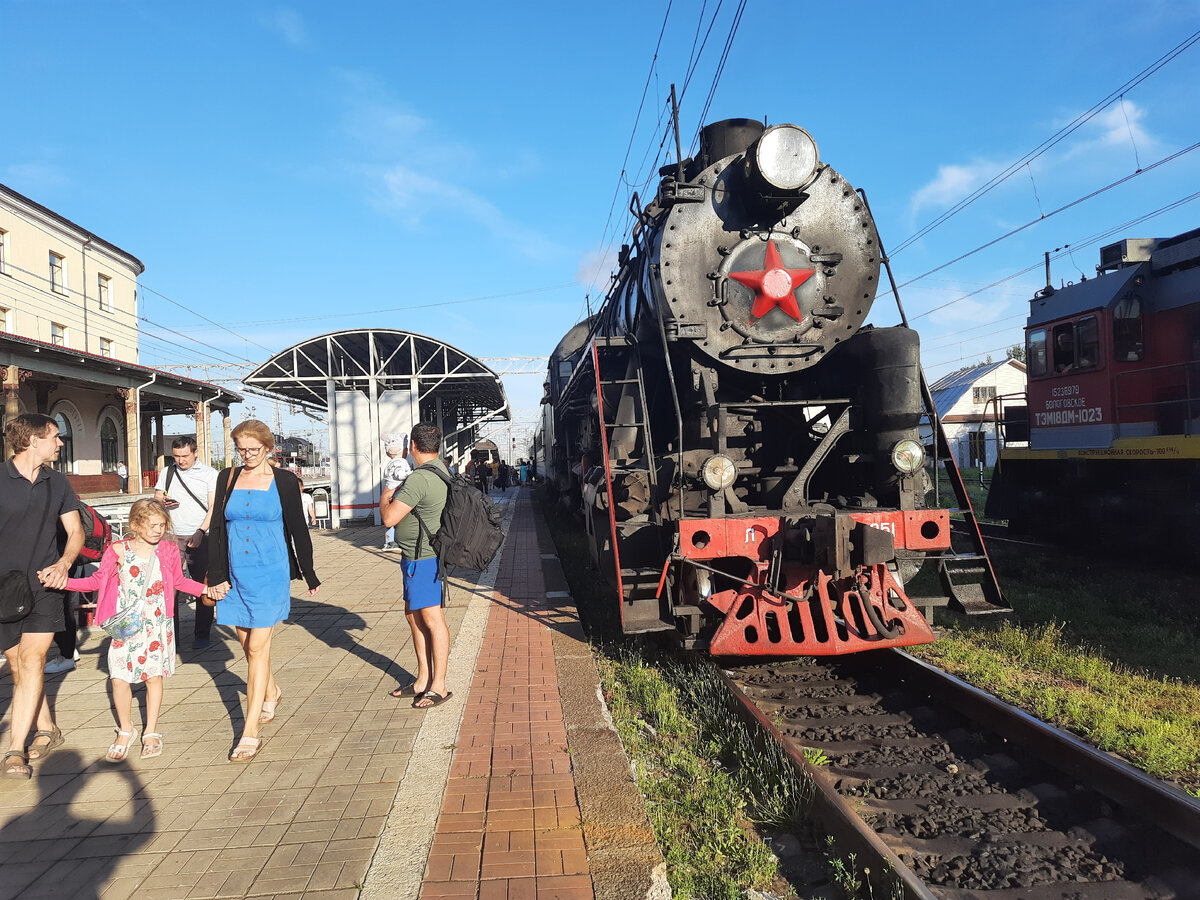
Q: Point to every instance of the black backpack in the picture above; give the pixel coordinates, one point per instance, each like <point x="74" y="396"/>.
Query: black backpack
<point x="97" y="533"/>
<point x="470" y="532"/>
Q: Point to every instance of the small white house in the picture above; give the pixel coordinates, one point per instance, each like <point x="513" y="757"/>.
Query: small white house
<point x="966" y="402"/>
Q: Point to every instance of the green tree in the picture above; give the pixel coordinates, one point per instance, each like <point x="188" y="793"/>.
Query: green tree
<point x="1017" y="352"/>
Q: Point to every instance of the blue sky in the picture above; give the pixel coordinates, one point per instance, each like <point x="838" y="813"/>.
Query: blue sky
<point x="289" y="170"/>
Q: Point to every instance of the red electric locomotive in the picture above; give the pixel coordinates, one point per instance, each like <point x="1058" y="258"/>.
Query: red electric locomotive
<point x="1113" y="397"/>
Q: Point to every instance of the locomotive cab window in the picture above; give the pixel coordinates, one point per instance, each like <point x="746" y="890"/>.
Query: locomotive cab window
<point x="1035" y="352"/>
<point x="1087" y="343"/>
<point x="1127" y="329"/>
<point x="1064" y="347"/>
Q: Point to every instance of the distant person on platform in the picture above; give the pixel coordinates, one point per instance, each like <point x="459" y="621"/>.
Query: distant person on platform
<point x="33" y="501"/>
<point x="424" y="495"/>
<point x="186" y="488"/>
<point x="310" y="506"/>
<point x="123" y="475"/>
<point x="395" y="471"/>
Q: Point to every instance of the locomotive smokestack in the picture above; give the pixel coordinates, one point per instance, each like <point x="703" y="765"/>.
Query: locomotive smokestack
<point x="727" y="137"/>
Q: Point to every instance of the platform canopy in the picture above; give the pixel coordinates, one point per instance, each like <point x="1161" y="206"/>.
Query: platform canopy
<point x="394" y="360"/>
<point x="373" y="382"/>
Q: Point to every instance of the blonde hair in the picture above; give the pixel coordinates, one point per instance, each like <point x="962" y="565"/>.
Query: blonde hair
<point x="143" y="510"/>
<point x="260" y="431"/>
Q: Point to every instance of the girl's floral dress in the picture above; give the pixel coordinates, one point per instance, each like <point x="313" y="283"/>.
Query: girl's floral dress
<point x="152" y="652"/>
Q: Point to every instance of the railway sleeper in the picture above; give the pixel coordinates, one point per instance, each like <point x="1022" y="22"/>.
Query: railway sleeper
<point x="963" y="845"/>
<point x="915" y="806"/>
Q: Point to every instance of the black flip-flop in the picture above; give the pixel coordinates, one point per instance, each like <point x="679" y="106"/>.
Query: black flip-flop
<point x="404" y="690"/>
<point x="437" y="699"/>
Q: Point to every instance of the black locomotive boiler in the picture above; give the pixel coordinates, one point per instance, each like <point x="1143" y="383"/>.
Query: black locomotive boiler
<point x="744" y="449"/>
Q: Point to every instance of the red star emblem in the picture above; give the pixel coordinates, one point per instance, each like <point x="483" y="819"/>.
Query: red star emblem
<point x="774" y="285"/>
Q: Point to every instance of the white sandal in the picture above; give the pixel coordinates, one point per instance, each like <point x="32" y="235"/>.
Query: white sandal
<point x="248" y="746"/>
<point x="118" y="752"/>
<point x="157" y="749"/>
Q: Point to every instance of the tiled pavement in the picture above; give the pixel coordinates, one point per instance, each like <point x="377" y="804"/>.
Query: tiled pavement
<point x="302" y="819"/>
<point x="350" y="789"/>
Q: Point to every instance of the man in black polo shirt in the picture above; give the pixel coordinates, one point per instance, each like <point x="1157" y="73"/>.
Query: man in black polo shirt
<point x="32" y="496"/>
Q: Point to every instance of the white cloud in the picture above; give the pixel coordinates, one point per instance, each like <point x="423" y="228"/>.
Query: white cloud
<point x="1117" y="129"/>
<point x="594" y="269"/>
<point x="286" y="23"/>
<point x="423" y="176"/>
<point x="953" y="182"/>
<point x="416" y="196"/>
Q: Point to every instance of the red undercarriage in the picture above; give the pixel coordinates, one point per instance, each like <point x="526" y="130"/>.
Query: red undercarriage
<point x="823" y="615"/>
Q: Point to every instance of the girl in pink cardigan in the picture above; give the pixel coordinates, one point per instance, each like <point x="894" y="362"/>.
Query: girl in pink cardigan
<point x="145" y="570"/>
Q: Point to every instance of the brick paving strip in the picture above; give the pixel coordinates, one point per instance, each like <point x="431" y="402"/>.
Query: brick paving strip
<point x="533" y="750"/>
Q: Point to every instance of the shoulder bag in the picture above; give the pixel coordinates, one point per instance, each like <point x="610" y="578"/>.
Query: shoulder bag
<point x="171" y="473"/>
<point x="234" y="471"/>
<point x="16" y="593"/>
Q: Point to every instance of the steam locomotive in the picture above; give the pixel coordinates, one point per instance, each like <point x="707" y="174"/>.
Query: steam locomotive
<point x="1103" y="449"/>
<point x="744" y="450"/>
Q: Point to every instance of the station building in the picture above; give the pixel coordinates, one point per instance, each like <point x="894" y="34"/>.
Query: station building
<point x="69" y="349"/>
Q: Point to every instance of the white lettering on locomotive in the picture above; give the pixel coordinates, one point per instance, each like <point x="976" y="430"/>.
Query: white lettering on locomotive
<point x="1070" y="416"/>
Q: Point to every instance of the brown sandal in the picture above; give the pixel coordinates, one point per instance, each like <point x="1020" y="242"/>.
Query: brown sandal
<point x="21" y="770"/>
<point x="55" y="739"/>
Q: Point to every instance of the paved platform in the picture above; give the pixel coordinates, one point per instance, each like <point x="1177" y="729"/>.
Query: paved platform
<point x="516" y="787"/>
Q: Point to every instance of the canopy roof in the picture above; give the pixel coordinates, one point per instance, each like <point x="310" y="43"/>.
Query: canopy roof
<point x="389" y="357"/>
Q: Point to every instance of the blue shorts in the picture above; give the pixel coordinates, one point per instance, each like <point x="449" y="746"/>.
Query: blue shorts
<point x="422" y="583"/>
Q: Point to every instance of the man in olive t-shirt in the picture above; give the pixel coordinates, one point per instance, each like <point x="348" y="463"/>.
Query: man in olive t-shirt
<point x="424" y="495"/>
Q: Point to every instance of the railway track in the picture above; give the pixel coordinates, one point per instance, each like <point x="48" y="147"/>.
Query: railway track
<point x="955" y="795"/>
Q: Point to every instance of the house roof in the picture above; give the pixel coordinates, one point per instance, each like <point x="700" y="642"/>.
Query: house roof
<point x="949" y="388"/>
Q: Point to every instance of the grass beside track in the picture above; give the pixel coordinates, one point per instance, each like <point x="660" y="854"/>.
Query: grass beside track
<point x="1100" y="648"/>
<point x="709" y="781"/>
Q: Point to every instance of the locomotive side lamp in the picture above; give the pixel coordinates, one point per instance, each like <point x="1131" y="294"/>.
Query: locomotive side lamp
<point x="908" y="456"/>
<point x="718" y="472"/>
<point x="785" y="158"/>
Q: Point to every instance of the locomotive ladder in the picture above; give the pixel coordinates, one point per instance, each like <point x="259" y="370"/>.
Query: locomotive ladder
<point x="967" y="577"/>
<point x="638" y="585"/>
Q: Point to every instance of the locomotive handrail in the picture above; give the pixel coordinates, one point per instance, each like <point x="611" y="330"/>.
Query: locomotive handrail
<point x="1187" y="399"/>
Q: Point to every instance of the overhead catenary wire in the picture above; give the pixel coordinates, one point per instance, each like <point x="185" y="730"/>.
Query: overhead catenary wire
<point x="1166" y="159"/>
<point x="1049" y="142"/>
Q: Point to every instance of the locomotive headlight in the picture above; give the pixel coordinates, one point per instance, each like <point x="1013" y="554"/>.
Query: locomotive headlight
<point x="718" y="472"/>
<point x="908" y="456"/>
<point x="786" y="157"/>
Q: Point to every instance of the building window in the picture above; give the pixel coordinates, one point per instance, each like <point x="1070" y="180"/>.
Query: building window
<point x="58" y="334"/>
<point x="104" y="292"/>
<point x="6" y="319"/>
<point x="58" y="274"/>
<point x="105" y="347"/>
<point x="109" y="446"/>
<point x="3" y="252"/>
<point x="984" y="393"/>
<point x="66" y="456"/>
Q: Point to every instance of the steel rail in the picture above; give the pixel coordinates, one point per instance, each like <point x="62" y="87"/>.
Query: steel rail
<point x="883" y="868"/>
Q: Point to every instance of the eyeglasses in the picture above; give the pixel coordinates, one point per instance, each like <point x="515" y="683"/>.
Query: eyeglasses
<point x="250" y="451"/>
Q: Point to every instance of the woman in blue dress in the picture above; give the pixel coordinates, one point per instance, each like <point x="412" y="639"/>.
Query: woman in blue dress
<point x="259" y="542"/>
